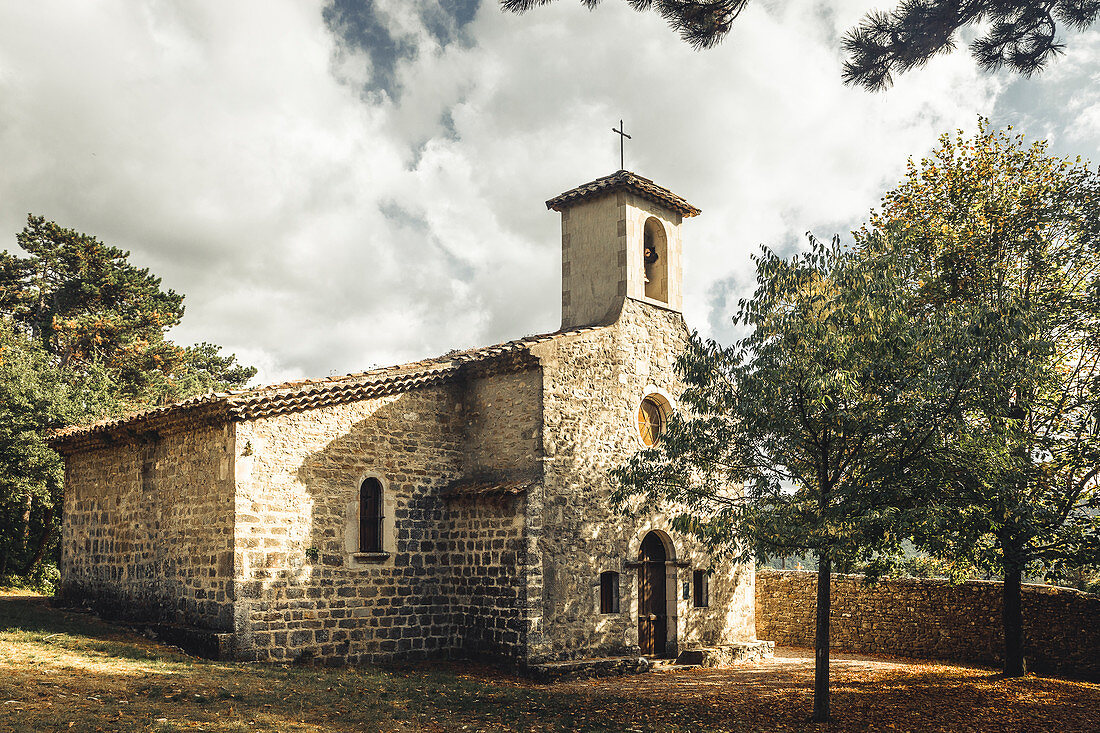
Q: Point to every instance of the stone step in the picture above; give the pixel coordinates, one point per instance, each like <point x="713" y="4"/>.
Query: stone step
<point x="218" y="645"/>
<point x="581" y="668"/>
<point x="723" y="655"/>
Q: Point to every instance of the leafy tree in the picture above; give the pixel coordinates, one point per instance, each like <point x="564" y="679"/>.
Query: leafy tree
<point x="89" y="308"/>
<point x="82" y="336"/>
<point x="1021" y="34"/>
<point x="824" y="413"/>
<point x="83" y="301"/>
<point x="1082" y="577"/>
<point x="36" y="397"/>
<point x="1007" y="239"/>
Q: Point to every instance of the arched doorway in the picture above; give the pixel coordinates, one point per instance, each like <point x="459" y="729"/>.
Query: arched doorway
<point x="652" y="597"/>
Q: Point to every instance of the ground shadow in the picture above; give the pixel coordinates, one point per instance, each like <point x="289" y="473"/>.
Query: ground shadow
<point x="99" y="677"/>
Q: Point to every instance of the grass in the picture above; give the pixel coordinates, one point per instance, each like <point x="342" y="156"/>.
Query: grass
<point x="69" y="672"/>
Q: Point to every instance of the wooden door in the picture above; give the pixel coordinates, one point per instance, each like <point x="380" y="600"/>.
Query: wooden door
<point x="652" y="598"/>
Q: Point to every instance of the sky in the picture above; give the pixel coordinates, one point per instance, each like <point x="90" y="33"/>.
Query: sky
<point x="343" y="185"/>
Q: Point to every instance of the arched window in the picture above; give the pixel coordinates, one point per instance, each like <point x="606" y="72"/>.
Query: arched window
<point x="370" y="516"/>
<point x="655" y="259"/>
<point x="609" y="592"/>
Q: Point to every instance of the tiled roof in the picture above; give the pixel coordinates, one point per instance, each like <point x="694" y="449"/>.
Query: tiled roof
<point x="249" y="404"/>
<point x="623" y="181"/>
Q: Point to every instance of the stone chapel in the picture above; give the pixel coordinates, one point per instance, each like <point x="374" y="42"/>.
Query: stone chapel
<point x="456" y="506"/>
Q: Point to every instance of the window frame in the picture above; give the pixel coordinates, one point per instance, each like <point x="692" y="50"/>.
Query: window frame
<point x="609" y="592"/>
<point x="371" y="523"/>
<point x="700" y="589"/>
<point x="664" y="405"/>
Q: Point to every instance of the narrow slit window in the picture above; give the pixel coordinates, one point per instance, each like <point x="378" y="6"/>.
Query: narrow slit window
<point x="609" y="592"/>
<point x="701" y="581"/>
<point x="370" y="516"/>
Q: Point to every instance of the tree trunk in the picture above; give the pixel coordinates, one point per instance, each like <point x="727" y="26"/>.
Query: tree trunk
<point x="43" y="542"/>
<point x="1013" y="614"/>
<point x="821" y="638"/>
<point x="25" y="535"/>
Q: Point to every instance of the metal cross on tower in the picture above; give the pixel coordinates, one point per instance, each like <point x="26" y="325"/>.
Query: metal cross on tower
<point x="623" y="137"/>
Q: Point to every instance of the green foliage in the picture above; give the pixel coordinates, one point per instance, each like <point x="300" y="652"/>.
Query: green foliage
<point x="927" y="566"/>
<point x="1082" y="577"/>
<point x="207" y="370"/>
<point x="700" y="23"/>
<point x="93" y="311"/>
<point x="82" y="336"/>
<point x="1007" y="239"/>
<point x="43" y="578"/>
<point x="86" y="304"/>
<point x="820" y="413"/>
<point x="36" y="397"/>
<point x="813" y="432"/>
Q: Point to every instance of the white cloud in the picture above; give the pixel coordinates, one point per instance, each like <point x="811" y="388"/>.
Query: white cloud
<point x="316" y="227"/>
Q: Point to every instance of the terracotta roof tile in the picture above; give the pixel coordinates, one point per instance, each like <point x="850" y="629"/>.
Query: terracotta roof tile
<point x="294" y="396"/>
<point x="623" y="181"/>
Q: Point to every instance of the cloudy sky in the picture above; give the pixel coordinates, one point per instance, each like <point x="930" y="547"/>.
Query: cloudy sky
<point x="344" y="185"/>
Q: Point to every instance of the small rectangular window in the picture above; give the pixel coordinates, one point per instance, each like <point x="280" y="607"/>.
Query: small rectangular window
<point x="702" y="588"/>
<point x="609" y="592"/>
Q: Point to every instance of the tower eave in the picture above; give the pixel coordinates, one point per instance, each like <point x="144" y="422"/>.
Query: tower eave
<point x="623" y="181"/>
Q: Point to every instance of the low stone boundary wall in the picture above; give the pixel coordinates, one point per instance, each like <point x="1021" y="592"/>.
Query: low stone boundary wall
<point x="925" y="618"/>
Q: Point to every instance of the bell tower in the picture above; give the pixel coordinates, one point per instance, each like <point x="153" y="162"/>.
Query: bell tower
<point x="620" y="238"/>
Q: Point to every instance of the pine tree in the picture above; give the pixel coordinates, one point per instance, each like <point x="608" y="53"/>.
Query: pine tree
<point x="88" y="307"/>
<point x="1021" y="35"/>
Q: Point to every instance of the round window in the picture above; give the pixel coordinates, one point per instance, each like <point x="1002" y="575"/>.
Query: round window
<point x="651" y="421"/>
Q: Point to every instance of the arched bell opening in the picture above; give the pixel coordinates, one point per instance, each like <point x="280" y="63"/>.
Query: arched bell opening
<point x="655" y="259"/>
<point x="656" y="598"/>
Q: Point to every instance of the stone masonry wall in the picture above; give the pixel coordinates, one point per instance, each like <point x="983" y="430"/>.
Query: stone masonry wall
<point x="148" y="527"/>
<point x="445" y="582"/>
<point x="485" y="575"/>
<point x="486" y="565"/>
<point x="593" y="384"/>
<point x="502" y="415"/>
<point x="919" y="617"/>
<point x="593" y="273"/>
<point x="298" y="489"/>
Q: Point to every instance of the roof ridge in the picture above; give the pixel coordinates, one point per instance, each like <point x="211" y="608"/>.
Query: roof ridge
<point x="442" y="361"/>
<point x="287" y="396"/>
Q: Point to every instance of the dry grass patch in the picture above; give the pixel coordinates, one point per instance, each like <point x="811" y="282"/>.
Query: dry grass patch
<point x="68" y="672"/>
